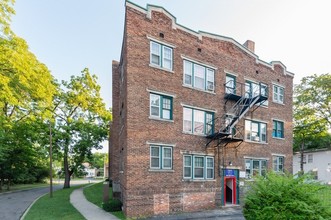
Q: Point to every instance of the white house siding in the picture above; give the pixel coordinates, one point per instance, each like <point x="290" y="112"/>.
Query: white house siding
<point x="321" y="162"/>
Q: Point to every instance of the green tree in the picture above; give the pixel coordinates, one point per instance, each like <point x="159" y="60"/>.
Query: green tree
<point x="26" y="90"/>
<point x="97" y="160"/>
<point x="312" y="111"/>
<point x="82" y="121"/>
<point x="6" y="11"/>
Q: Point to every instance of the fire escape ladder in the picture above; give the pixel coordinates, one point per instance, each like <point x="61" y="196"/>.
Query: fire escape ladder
<point x="250" y="98"/>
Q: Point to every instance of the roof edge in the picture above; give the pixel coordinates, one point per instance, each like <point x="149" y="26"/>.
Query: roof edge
<point x="199" y="34"/>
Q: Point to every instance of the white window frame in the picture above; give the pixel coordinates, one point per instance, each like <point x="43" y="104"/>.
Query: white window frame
<point x="193" y="121"/>
<point x="251" y="168"/>
<point x="205" y="168"/>
<point x="161" y="55"/>
<point x="186" y="166"/>
<point x="210" y="168"/>
<point x="260" y="131"/>
<point x="208" y="76"/>
<point x="161" y="106"/>
<point x="276" y="162"/>
<point x="161" y="157"/>
<point x="277" y="95"/>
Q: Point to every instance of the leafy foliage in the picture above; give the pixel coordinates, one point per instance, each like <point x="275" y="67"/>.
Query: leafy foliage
<point x="284" y="197"/>
<point x="81" y="121"/>
<point x="312" y="112"/>
<point x="26" y="91"/>
<point x="6" y="10"/>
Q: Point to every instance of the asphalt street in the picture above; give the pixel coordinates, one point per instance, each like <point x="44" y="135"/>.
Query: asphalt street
<point x="13" y="205"/>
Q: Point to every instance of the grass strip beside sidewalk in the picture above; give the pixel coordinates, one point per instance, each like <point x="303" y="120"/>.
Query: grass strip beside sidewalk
<point x="94" y="194"/>
<point x="58" y="207"/>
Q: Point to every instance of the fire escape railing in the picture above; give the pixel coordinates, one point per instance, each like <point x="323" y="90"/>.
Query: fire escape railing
<point x="246" y="96"/>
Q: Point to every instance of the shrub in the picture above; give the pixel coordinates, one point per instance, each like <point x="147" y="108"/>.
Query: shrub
<point x="284" y="197"/>
<point x="112" y="206"/>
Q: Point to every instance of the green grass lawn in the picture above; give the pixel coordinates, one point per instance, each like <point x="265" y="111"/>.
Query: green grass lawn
<point x="94" y="194"/>
<point x="58" y="207"/>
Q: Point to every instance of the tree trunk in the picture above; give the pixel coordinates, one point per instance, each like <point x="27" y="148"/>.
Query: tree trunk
<point x="66" y="171"/>
<point x="1" y="182"/>
<point x="8" y="184"/>
<point x="301" y="158"/>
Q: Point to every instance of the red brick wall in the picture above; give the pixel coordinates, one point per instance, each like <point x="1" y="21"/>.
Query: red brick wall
<point x="141" y="187"/>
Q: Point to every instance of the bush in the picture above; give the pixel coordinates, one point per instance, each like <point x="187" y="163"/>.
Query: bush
<point x="284" y="197"/>
<point x="112" y="206"/>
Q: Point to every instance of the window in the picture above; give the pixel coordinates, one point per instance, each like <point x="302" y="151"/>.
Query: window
<point x="199" y="76"/>
<point x="230" y="84"/>
<point x="278" y="95"/>
<point x="198" y="167"/>
<point x="252" y="89"/>
<point x="256" y="131"/>
<point x="198" y="121"/>
<point x="161" y="55"/>
<point x="255" y="167"/>
<point x="161" y="157"/>
<point x="278" y="163"/>
<point x="278" y="129"/>
<point x="160" y="106"/>
<point x="310" y="158"/>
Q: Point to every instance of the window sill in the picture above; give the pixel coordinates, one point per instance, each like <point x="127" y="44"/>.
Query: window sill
<point x="280" y="103"/>
<point x="256" y="142"/>
<point x="161" y="171"/>
<point x="198" y="180"/>
<point x="160" y="119"/>
<point x="161" y="68"/>
<point x="278" y="138"/>
<point x="195" y="134"/>
<point x="201" y="90"/>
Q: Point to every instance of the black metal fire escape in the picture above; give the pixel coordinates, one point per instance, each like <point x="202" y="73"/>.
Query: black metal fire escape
<point x="243" y="97"/>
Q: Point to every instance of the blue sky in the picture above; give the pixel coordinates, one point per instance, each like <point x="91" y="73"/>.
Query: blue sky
<point x="69" y="35"/>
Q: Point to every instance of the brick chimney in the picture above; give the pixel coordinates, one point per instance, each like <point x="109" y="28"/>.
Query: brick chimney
<point x="250" y="45"/>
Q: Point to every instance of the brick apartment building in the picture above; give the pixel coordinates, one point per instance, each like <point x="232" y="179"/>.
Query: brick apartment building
<point x="195" y="116"/>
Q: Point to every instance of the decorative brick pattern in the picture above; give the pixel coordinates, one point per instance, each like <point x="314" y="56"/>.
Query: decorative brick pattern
<point x="161" y="204"/>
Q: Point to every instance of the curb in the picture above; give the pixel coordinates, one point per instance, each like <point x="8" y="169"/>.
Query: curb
<point x="28" y="209"/>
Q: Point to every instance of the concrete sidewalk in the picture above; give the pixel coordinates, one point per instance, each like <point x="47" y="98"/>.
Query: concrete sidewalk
<point x="229" y="213"/>
<point x="87" y="209"/>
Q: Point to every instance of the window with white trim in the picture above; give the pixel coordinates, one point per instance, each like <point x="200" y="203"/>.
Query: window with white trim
<point x="278" y="94"/>
<point x="160" y="157"/>
<point x="277" y="129"/>
<point x="160" y="106"/>
<point x="197" y="121"/>
<point x="255" y="131"/>
<point x="161" y="55"/>
<point x="278" y="163"/>
<point x="198" y="167"/>
<point x="199" y="76"/>
<point x="255" y="167"/>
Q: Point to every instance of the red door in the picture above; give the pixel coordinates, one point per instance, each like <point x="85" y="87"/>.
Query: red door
<point x="230" y="195"/>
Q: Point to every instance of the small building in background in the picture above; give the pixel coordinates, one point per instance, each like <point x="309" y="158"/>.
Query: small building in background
<point x="317" y="162"/>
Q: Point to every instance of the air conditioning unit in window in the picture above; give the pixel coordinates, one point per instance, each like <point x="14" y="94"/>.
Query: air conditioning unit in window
<point x="210" y="87"/>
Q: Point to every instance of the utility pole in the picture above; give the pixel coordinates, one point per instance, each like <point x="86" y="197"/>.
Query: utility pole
<point x="50" y="162"/>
